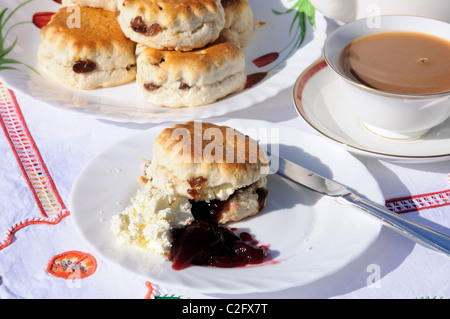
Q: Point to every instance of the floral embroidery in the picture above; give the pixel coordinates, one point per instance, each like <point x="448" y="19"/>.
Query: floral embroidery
<point x="153" y="292"/>
<point x="72" y="265"/>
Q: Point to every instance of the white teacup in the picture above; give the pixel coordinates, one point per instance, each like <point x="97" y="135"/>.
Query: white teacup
<point x="399" y="116"/>
<point x="345" y="11"/>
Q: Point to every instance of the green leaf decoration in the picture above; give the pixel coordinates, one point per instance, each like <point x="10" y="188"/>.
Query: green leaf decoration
<point x="303" y="11"/>
<point x="5" y="62"/>
<point x="167" y="297"/>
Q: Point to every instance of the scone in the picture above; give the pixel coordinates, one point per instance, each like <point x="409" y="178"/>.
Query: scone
<point x="198" y="77"/>
<point x="220" y="170"/>
<point x="110" y="5"/>
<point x="201" y="176"/>
<point x="239" y="20"/>
<point x="180" y="25"/>
<point x="95" y="53"/>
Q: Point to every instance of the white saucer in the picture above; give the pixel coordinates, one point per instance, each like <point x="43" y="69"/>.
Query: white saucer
<point x="319" y="101"/>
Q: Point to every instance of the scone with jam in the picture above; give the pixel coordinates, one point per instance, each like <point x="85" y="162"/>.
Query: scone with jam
<point x="201" y="177"/>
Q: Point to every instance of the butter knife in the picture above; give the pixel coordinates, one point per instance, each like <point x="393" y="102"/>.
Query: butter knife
<point x="422" y="234"/>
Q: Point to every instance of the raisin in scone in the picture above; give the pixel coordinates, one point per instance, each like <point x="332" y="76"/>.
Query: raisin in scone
<point x="239" y="20"/>
<point x="220" y="170"/>
<point x="180" y="25"/>
<point x="194" y="78"/>
<point x="89" y="52"/>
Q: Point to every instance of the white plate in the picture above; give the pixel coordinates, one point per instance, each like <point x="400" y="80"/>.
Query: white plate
<point x="318" y="100"/>
<point x="309" y="236"/>
<point x="125" y="103"/>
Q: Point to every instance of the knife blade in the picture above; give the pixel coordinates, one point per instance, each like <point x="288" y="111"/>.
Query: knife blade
<point x="420" y="233"/>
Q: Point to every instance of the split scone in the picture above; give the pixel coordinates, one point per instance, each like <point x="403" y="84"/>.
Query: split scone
<point x="89" y="52"/>
<point x="110" y="5"/>
<point x="194" y="78"/>
<point x="201" y="176"/>
<point x="239" y="20"/>
<point x="180" y="25"/>
<point x="220" y="170"/>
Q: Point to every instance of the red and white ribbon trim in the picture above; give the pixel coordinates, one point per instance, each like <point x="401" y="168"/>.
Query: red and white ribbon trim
<point x="32" y="166"/>
<point x="419" y="202"/>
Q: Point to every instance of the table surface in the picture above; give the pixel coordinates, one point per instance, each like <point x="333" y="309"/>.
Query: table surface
<point x="36" y="231"/>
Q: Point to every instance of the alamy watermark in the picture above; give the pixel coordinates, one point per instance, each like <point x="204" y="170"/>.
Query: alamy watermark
<point x="74" y="19"/>
<point x="373" y="280"/>
<point x="373" y="16"/>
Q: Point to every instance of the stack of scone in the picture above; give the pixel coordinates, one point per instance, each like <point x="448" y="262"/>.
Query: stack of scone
<point x="180" y="52"/>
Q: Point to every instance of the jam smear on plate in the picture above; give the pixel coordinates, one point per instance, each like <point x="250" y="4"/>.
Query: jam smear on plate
<point x="205" y="242"/>
<point x="208" y="243"/>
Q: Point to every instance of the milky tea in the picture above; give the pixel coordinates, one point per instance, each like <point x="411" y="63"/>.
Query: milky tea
<point x="399" y="62"/>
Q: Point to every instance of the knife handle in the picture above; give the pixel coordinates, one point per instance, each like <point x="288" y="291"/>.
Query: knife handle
<point x="418" y="232"/>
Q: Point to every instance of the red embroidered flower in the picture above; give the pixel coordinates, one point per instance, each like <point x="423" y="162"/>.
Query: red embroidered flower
<point x="72" y="265"/>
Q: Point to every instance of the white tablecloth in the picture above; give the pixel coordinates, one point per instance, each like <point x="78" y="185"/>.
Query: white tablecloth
<point x="62" y="143"/>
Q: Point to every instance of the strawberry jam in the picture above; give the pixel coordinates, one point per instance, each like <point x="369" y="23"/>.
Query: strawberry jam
<point x="208" y="211"/>
<point x="205" y="242"/>
<point x="209" y="244"/>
